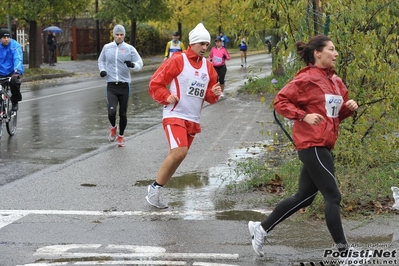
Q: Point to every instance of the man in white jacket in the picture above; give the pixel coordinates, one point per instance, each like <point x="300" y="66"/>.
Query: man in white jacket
<point x="115" y="61"/>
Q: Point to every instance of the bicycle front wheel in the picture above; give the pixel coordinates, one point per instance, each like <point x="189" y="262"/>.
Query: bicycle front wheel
<point x="1" y="117"/>
<point x="11" y="124"/>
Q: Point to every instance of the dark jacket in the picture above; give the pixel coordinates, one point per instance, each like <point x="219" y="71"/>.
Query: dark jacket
<point x="51" y="42"/>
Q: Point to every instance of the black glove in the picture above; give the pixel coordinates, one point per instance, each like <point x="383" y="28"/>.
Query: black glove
<point x="15" y="78"/>
<point x="224" y="56"/>
<point x="103" y="73"/>
<point x="129" y="64"/>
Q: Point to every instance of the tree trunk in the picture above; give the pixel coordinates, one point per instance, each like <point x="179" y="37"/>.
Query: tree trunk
<point x="179" y="29"/>
<point x="133" y="33"/>
<point x="35" y="45"/>
<point x="316" y="20"/>
<point x="278" y="68"/>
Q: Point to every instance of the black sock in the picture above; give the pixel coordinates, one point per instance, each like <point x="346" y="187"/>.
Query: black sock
<point x="156" y="184"/>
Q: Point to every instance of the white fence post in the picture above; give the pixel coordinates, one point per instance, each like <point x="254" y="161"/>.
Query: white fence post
<point x="21" y="38"/>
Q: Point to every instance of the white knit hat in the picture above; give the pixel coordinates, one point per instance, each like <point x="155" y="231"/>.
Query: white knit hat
<point x="199" y="34"/>
<point x="119" y="29"/>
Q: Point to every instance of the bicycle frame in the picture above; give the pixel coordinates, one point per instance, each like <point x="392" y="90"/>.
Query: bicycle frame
<point x="7" y="116"/>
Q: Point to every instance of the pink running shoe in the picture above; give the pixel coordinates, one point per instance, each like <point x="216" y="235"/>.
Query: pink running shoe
<point x="121" y="142"/>
<point x="112" y="134"/>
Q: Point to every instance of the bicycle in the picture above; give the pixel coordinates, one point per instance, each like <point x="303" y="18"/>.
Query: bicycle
<point x="7" y="116"/>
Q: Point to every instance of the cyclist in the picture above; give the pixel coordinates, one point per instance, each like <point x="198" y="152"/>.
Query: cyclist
<point x="11" y="65"/>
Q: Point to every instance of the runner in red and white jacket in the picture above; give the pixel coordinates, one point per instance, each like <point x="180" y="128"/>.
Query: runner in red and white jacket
<point x="182" y="84"/>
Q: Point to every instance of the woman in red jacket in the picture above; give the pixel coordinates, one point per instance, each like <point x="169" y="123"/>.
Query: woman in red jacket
<point x="317" y="100"/>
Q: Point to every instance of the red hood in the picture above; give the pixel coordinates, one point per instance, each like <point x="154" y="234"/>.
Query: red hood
<point x="192" y="56"/>
<point x="329" y="72"/>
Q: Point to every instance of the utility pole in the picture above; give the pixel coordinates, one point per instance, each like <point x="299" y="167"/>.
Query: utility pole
<point x="316" y="20"/>
<point x="97" y="32"/>
<point x="8" y="16"/>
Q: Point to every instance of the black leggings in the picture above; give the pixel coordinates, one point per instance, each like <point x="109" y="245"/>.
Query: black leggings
<point x="15" y="87"/>
<point x="51" y="57"/>
<point x="221" y="70"/>
<point x="317" y="174"/>
<point x="16" y="95"/>
<point x="118" y="93"/>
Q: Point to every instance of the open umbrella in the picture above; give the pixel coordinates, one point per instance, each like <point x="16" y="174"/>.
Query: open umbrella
<point x="54" y="29"/>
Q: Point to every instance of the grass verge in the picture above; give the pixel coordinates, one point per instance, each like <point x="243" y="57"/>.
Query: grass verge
<point x="365" y="190"/>
<point x="32" y="72"/>
<point x="362" y="194"/>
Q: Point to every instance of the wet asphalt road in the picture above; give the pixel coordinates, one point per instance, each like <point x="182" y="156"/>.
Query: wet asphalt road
<point x="57" y="124"/>
<point x="80" y="200"/>
<point x="61" y="121"/>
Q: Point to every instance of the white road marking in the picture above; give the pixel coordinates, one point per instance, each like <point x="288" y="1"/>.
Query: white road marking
<point x="132" y="248"/>
<point x="67" y="251"/>
<point x="136" y="79"/>
<point x="142" y="262"/>
<point x="136" y="255"/>
<point x="10" y="216"/>
<point x="210" y="264"/>
<point x="63" y="93"/>
<point x="139" y="255"/>
<point x="190" y="256"/>
<point x="46" y="264"/>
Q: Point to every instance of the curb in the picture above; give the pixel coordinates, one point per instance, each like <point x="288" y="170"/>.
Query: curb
<point x="48" y="76"/>
<point x="151" y="63"/>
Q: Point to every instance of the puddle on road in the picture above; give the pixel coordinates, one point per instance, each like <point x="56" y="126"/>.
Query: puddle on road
<point x="240" y="216"/>
<point x="195" y="191"/>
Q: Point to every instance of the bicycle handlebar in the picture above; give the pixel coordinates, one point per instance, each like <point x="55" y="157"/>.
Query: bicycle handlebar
<point x="4" y="87"/>
<point x="5" y="79"/>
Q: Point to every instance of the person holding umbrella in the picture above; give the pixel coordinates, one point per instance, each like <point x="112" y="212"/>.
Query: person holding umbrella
<point x="53" y="29"/>
<point x="52" y="42"/>
<point x="51" y="45"/>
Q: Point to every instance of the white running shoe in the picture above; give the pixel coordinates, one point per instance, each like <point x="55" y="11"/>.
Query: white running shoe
<point x="258" y="237"/>
<point x="154" y="197"/>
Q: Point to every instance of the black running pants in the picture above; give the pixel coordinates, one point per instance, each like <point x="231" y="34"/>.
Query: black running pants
<point x="317" y="174"/>
<point x="118" y="93"/>
<point x="221" y="70"/>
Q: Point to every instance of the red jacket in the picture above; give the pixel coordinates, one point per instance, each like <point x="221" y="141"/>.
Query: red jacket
<point x="171" y="68"/>
<point x="306" y="94"/>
